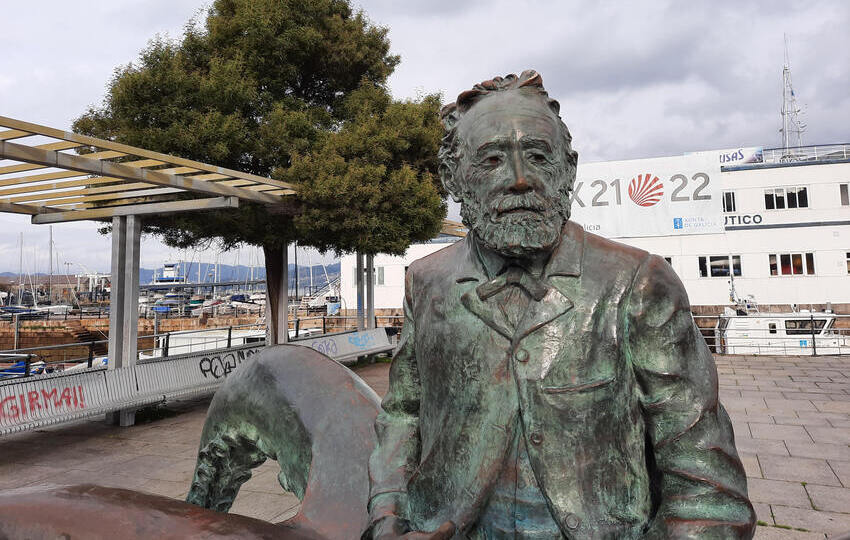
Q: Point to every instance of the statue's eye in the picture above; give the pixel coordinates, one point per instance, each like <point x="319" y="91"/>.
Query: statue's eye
<point x="537" y="158"/>
<point x="493" y="161"/>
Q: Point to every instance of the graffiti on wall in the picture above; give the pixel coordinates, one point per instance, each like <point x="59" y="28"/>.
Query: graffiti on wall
<point x="221" y="365"/>
<point x="39" y="402"/>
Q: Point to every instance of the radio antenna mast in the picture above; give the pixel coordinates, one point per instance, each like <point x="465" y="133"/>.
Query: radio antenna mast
<point x="792" y="129"/>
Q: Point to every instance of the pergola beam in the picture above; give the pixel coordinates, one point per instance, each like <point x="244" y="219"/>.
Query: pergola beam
<point x="39" y="178"/>
<point x="32" y="165"/>
<point x="10" y="134"/>
<point x="50" y="158"/>
<point x="24" y="209"/>
<point x="110" y="145"/>
<point x="138" y="210"/>
<point x="103" y="197"/>
<point x="59" y="185"/>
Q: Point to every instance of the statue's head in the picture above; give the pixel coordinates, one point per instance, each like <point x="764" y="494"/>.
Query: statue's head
<point x="506" y="157"/>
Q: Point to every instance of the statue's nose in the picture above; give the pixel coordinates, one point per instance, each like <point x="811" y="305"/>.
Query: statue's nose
<point x="520" y="183"/>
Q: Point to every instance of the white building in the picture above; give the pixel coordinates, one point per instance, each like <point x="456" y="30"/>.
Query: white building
<point x="781" y="226"/>
<point x="389" y="274"/>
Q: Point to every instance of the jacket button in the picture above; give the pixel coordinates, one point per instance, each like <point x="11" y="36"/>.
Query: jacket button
<point x="522" y="355"/>
<point x="536" y="438"/>
<point x="572" y="521"/>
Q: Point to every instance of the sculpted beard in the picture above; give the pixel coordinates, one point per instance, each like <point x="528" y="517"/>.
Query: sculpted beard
<point x="515" y="225"/>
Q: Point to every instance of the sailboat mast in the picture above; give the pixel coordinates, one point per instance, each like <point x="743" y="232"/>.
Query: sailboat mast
<point x="295" y="250"/>
<point x="21" y="272"/>
<point x="310" y="264"/>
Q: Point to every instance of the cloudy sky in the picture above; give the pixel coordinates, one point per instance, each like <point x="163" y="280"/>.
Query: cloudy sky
<point x="635" y="79"/>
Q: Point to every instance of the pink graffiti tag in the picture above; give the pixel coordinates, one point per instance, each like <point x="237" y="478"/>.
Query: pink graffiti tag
<point x="20" y="406"/>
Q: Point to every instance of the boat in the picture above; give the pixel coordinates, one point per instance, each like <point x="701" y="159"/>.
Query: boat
<point x="22" y="312"/>
<point x="97" y="362"/>
<point x="798" y="333"/>
<point x="18" y="369"/>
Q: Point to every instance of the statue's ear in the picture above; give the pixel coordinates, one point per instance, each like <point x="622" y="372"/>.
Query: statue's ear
<point x="449" y="117"/>
<point x="447" y="176"/>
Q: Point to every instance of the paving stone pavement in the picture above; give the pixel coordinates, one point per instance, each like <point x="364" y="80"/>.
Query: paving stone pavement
<point x="791" y="418"/>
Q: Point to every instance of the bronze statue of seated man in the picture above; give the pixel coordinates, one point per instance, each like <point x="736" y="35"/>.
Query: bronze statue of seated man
<point x="549" y="383"/>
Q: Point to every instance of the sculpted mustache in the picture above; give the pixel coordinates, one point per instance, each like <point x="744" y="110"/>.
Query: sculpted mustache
<point x="531" y="202"/>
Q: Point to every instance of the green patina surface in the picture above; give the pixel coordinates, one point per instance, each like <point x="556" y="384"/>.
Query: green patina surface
<point x="541" y="359"/>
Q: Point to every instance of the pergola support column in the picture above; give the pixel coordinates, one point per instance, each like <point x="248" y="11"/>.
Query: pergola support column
<point x="124" y="303"/>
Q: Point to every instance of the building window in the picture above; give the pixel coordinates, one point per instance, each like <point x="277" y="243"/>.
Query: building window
<point x="728" y="201"/>
<point x="719" y="265"/>
<point x="788" y="197"/>
<point x="844" y="191"/>
<point x="848" y="262"/>
<point x="792" y="264"/>
<point x="380" y="272"/>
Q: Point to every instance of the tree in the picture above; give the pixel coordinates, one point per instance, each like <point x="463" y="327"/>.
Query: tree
<point x="294" y="90"/>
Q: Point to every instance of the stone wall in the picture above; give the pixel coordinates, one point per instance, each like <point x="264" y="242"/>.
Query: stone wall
<point x="43" y="333"/>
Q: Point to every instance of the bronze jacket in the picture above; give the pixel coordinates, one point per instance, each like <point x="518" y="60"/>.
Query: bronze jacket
<point x="614" y="388"/>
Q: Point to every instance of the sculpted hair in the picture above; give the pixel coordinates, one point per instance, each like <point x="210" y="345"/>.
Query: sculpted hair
<point x="530" y="82"/>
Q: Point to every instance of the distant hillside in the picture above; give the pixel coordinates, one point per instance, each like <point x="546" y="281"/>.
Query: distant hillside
<point x="227" y="272"/>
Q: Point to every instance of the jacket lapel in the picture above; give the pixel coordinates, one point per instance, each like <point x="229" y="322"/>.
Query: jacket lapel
<point x="470" y="273"/>
<point x="488" y="312"/>
<point x="538" y="314"/>
<point x="565" y="261"/>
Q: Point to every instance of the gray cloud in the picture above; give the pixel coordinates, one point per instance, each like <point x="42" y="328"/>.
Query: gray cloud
<point x="635" y="79"/>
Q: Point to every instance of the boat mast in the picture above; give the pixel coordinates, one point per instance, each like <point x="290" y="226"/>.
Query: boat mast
<point x="295" y="250"/>
<point x="21" y="273"/>
<point x="50" y="272"/>
<point x="792" y="129"/>
<point x="310" y="264"/>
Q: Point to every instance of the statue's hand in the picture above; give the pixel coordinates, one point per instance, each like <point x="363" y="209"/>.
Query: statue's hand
<point x="397" y="529"/>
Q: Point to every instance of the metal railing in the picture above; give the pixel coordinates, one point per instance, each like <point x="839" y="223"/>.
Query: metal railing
<point x="17" y="365"/>
<point x="799" y="334"/>
<point x="828" y="152"/>
<point x="24" y="362"/>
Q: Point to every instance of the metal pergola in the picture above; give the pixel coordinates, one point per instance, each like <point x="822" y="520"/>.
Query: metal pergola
<point x="58" y="176"/>
<point x="67" y="177"/>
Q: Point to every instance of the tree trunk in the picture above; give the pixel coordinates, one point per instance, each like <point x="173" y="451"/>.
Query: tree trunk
<point x="276" y="293"/>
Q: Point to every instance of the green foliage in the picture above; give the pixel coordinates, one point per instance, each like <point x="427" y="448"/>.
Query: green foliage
<point x="295" y="90"/>
<point x="372" y="183"/>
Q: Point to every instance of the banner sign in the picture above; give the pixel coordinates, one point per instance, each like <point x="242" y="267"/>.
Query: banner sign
<point x="734" y="156"/>
<point x="649" y="197"/>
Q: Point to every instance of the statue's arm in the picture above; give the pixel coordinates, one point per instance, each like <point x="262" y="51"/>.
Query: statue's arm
<point x="397" y="426"/>
<point x="700" y="479"/>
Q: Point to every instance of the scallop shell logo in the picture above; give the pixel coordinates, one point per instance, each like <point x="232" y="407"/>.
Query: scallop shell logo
<point x="646" y="190"/>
